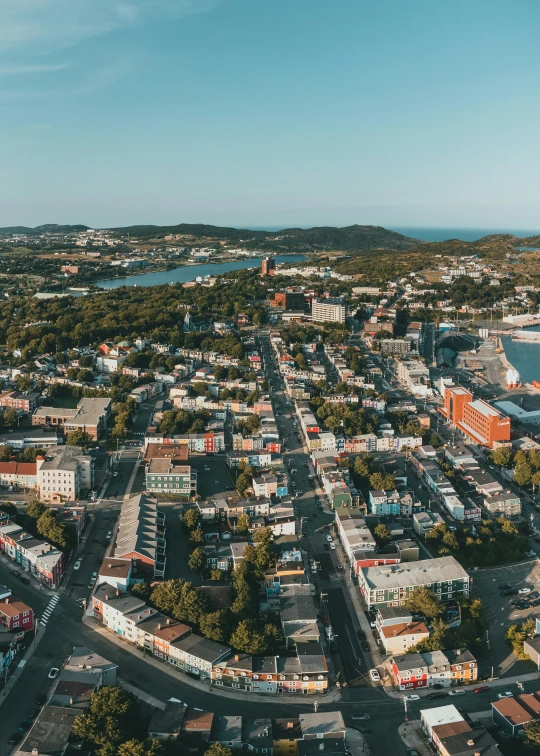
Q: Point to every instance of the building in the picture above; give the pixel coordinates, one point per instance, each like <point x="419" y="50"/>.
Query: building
<point x="398" y="637"/>
<point x="395" y="346"/>
<point x="512" y="714"/>
<point x="30" y="438"/>
<point x="24" y="401"/>
<point x="415" y="376"/>
<point x="390" y="585"/>
<point x="423" y="522"/>
<point x="33" y="555"/>
<point x="167" y="471"/>
<point x="63" y="473"/>
<point x="503" y="504"/>
<point x="167" y="724"/>
<point x="90" y="416"/>
<point x="140" y="538"/>
<point x="268" y="266"/>
<point x="328" y="310"/>
<point x="18" y="474"/>
<point x="477" y="419"/>
<point x="15" y="615"/>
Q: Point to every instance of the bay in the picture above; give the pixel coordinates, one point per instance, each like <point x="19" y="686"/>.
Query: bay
<point x="524" y="356"/>
<point x="187" y="273"/>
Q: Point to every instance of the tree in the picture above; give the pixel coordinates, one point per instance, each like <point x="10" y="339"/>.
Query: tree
<point x="51" y="530"/>
<point x="191" y="518"/>
<point x="197" y="535"/>
<point x="142" y="591"/>
<point x="422" y="601"/>
<point x="248" y="637"/>
<point x="10" y="417"/>
<point x="243" y="522"/>
<point x="216" y="574"/>
<point x="6" y="452"/>
<point x="217" y="749"/>
<point x="196" y="560"/>
<point x="80" y="438"/>
<point x="383" y="533"/>
<point x="362" y="466"/>
<point x="522" y="474"/>
<point x="110" y="719"/>
<point x="382" y="481"/>
<point x="435" y="441"/>
<point x="35" y="509"/>
<point x="215" y="625"/>
<point x="502" y="456"/>
<point x="243" y="482"/>
<point x="532" y="732"/>
<point x="134" y="747"/>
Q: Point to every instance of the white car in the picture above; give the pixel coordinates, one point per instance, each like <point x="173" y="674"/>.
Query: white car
<point x="109" y="535"/>
<point x="361" y="717"/>
<point x="77" y="565"/>
<point x="506" y="694"/>
<point x="333" y="546"/>
<point x="412" y="697"/>
<point x="457" y="692"/>
<point x="375" y="676"/>
<point x="115" y="474"/>
<point x="522" y="591"/>
<point x="329" y="538"/>
<point x="52" y="674"/>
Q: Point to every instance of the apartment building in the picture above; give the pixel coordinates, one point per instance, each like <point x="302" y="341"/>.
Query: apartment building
<point x="477" y="419"/>
<point x="504" y="504"/>
<point x="390" y="585"/>
<point x="30" y="438"/>
<point x="18" y="474"/>
<point x="90" y="416"/>
<point x="63" y="473"/>
<point x="24" y="401"/>
<point x="16" y="616"/>
<point x="33" y="555"/>
<point x="395" y="346"/>
<point x="415" y="376"/>
<point x="332" y="310"/>
<point x="170" y="476"/>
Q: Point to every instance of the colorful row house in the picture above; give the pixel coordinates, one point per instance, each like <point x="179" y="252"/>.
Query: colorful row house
<point x="33" y="555"/>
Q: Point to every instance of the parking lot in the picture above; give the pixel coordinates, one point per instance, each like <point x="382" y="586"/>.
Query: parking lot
<point x="213" y="476"/>
<point x="500" y="613"/>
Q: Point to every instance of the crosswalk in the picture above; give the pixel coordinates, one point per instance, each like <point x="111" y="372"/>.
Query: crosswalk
<point x="49" y="610"/>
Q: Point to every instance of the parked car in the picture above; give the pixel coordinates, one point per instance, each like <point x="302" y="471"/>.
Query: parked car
<point x="506" y="694"/>
<point x="77" y="565"/>
<point x="361" y="634"/>
<point x="533" y="595"/>
<point x="109" y="535"/>
<point x="339" y="567"/>
<point x="53" y="672"/>
<point x="457" y="692"/>
<point x="361" y="717"/>
<point x="374" y="675"/>
<point x="15" y="738"/>
<point x="509" y="592"/>
<point x="16" y="573"/>
<point x="32" y="714"/>
<point x="504" y="586"/>
<point x="523" y="591"/>
<point x="412" y="697"/>
<point x="365" y="646"/>
<point x="482" y="689"/>
<point x="40" y="700"/>
<point x="442" y="694"/>
<point x="329" y="538"/>
<point x="333" y="546"/>
<point x="24" y="580"/>
<point x="24" y="725"/>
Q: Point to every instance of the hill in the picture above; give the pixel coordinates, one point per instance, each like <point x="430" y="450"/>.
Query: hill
<point x="324" y="238"/>
<point x="47" y="228"/>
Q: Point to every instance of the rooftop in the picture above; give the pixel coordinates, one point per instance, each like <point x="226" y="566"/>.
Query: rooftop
<point x="409" y="574"/>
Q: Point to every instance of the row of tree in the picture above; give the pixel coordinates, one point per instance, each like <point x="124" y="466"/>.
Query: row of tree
<point x="492" y="542"/>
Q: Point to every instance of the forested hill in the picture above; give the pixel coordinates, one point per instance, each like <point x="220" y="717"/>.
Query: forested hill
<point x="347" y="239"/>
<point x="47" y="228"/>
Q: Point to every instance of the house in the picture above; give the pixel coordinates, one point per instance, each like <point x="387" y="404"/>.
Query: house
<point x="410" y="671"/>
<point x="286" y="734"/>
<point x="90" y="416"/>
<point x="15" y="615"/>
<point x="511" y="715"/>
<point x="454" y="667"/>
<point x="399" y="637"/>
<point x="63" y="473"/>
<point x="33" y="555"/>
<point x="18" y="474"/>
<point x="322" y="725"/>
<point x="116" y="573"/>
<point x="167" y="724"/>
<point x="197" y="656"/>
<point x="234" y="673"/>
<point x="531" y="647"/>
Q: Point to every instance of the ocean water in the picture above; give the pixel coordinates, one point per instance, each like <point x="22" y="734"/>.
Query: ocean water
<point x="425" y="233"/>
<point x="524" y="356"/>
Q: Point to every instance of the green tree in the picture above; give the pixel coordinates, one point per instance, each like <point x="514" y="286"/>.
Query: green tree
<point x="502" y="456"/>
<point x="363" y="465"/>
<point x="80" y="438"/>
<point x="142" y="590"/>
<point x="435" y="440"/>
<point x="382" y="533"/>
<point x="217" y="749"/>
<point x="197" y="535"/>
<point x="243" y="522"/>
<point x="111" y="718"/>
<point x="243" y="483"/>
<point x="248" y="637"/>
<point x="191" y="518"/>
<point x="216" y="625"/>
<point x="10" y="417"/>
<point x="35" y="509"/>
<point x="216" y="574"/>
<point x="522" y="474"/>
<point x="196" y="560"/>
<point x="6" y="452"/>
<point x="423" y="601"/>
<point x="382" y="481"/>
<point x="51" y="530"/>
<point x="134" y="747"/>
<point x="532" y="732"/>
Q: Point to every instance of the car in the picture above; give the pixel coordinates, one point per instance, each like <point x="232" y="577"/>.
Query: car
<point x="361" y="717"/>
<point x="313" y="568"/>
<point x="456" y="692"/>
<point x="436" y="695"/>
<point x="109" y="535"/>
<point x="15" y="738"/>
<point x="374" y="675"/>
<point x="412" y="752"/>
<point x="509" y="592"/>
<point x="361" y="634"/>
<point x="506" y="694"/>
<point x="504" y="586"/>
<point x="24" y="725"/>
<point x="16" y="573"/>
<point x="523" y="591"/>
<point x="365" y="646"/>
<point x="533" y="595"/>
<point x="531" y="554"/>
<point x="373" y="625"/>
<point x="536" y="602"/>
<point x="77" y="565"/>
<point x="115" y="474"/>
<point x="24" y="580"/>
<point x="333" y="546"/>
<point x="482" y="689"/>
<point x="53" y="672"/>
<point x="32" y="714"/>
<point x="339" y="567"/>
<point x="412" y="697"/>
<point x="40" y="700"/>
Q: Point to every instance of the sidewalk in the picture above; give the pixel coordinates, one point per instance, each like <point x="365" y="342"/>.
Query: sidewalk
<point x="356" y="742"/>
<point x="331" y="696"/>
<point x="17" y="672"/>
<point x="412" y="735"/>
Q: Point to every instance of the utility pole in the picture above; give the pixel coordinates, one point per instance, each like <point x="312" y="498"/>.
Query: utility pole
<point x="315" y="706"/>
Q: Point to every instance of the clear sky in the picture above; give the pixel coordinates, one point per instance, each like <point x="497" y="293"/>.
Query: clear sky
<point x="270" y="112"/>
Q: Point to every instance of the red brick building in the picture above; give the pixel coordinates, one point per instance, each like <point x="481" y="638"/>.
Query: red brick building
<point x="15" y="615"/>
<point x="475" y="418"/>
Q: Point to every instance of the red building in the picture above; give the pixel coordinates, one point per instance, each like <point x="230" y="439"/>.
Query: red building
<point x="19" y="400"/>
<point x="410" y="671"/>
<point x="268" y="266"/>
<point x="475" y="418"/>
<point x="15" y="615"/>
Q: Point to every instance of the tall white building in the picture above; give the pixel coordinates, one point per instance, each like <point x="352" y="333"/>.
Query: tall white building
<point x="63" y="473"/>
<point x="328" y="310"/>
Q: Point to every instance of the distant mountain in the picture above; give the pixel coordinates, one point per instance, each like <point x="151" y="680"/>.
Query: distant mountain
<point x="324" y="238"/>
<point x="47" y="228"/>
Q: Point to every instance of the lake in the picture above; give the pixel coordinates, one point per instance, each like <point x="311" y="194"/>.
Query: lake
<point x="524" y="356"/>
<point x="191" y="272"/>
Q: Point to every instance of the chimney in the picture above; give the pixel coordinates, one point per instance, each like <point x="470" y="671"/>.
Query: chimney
<point x="71" y="701"/>
<point x="7" y="599"/>
<point x="117" y="592"/>
<point x="236" y="657"/>
<point x="159" y="625"/>
<point x="168" y="620"/>
<point x="106" y="597"/>
<point x="290" y="725"/>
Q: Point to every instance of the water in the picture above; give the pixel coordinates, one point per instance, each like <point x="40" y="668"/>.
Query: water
<point x="524" y="356"/>
<point x="465" y="234"/>
<point x="191" y="272"/>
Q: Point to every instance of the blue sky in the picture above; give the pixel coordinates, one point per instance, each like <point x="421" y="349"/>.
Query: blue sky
<point x="259" y="112"/>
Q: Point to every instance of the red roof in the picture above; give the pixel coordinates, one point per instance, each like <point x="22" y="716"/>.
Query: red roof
<point x="12" y="606"/>
<point x="18" y="468"/>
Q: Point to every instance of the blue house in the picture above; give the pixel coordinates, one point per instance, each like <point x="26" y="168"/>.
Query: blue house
<point x="384" y="504"/>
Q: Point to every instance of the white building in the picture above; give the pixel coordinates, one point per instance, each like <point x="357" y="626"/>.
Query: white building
<point x="328" y="311"/>
<point x="63" y="473"/>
